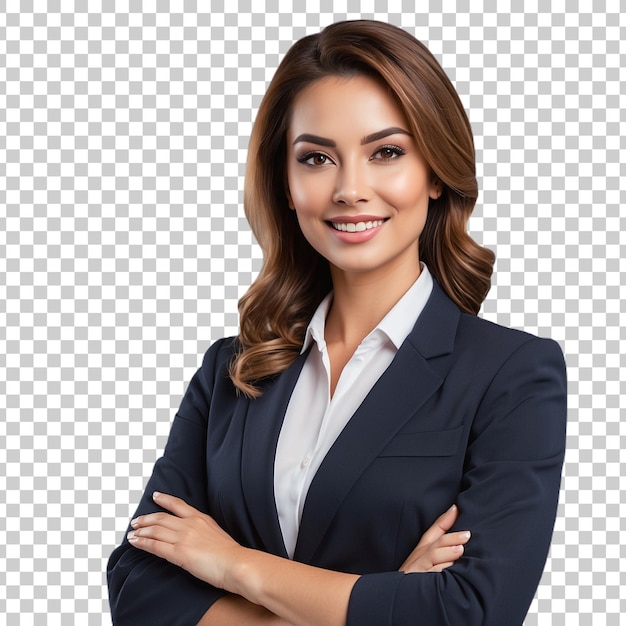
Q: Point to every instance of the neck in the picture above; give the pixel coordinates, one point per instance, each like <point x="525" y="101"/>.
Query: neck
<point x="361" y="301"/>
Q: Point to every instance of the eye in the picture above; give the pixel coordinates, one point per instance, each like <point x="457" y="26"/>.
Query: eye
<point x="314" y="159"/>
<point x="388" y="153"/>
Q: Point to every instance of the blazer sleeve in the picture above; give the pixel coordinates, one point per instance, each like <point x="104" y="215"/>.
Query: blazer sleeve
<point x="508" y="501"/>
<point x="143" y="588"/>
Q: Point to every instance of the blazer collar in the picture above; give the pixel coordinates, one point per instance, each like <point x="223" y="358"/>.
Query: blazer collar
<point x="410" y="380"/>
<point x="435" y="329"/>
<point x="264" y="420"/>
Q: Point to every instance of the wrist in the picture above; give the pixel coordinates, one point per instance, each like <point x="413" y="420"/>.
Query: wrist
<point x="244" y="578"/>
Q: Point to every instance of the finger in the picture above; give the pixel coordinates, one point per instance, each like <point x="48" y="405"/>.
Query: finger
<point x="161" y="549"/>
<point x="446" y="549"/>
<point x="156" y="519"/>
<point x="447" y="555"/>
<point x="159" y="533"/>
<point x="434" y="561"/>
<point x="441" y="567"/>
<point x="175" y="505"/>
<point x="452" y="539"/>
<point x="440" y="526"/>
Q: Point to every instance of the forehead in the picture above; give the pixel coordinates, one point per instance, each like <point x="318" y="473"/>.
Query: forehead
<point x="335" y="106"/>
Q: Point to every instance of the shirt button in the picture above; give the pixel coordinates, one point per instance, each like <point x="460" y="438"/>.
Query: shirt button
<point x="305" y="463"/>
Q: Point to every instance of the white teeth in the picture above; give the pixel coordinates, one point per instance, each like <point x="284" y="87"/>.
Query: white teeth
<point x="351" y="227"/>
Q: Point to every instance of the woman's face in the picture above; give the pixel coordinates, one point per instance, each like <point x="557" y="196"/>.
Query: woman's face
<point x="356" y="180"/>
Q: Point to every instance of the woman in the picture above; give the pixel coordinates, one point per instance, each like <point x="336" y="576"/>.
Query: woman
<point x="362" y="396"/>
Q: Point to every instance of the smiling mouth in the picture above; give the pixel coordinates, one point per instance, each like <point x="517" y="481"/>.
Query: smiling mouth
<point x="358" y="227"/>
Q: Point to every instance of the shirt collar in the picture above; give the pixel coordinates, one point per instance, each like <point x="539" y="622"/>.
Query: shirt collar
<point x="396" y="325"/>
<point x="315" y="329"/>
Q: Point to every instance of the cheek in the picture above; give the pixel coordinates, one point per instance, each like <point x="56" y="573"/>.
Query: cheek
<point x="308" y="193"/>
<point x="405" y="191"/>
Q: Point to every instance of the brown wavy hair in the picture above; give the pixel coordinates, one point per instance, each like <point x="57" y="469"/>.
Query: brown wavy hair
<point x="276" y="310"/>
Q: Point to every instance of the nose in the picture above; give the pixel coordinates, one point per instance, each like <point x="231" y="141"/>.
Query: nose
<point x="351" y="185"/>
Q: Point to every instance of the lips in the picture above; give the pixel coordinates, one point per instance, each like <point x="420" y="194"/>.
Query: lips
<point x="356" y="229"/>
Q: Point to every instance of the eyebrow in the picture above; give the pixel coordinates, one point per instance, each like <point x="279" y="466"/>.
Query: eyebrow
<point x="323" y="141"/>
<point x="381" y="134"/>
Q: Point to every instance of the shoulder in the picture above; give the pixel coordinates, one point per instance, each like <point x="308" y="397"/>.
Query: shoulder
<point x="481" y="329"/>
<point x="213" y="372"/>
<point x="444" y="329"/>
<point x="509" y="363"/>
<point x="220" y="352"/>
<point x="491" y="339"/>
<point x="217" y="359"/>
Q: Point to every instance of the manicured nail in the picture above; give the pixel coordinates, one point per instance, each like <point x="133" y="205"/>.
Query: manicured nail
<point x="466" y="535"/>
<point x="457" y="548"/>
<point x="131" y="536"/>
<point x="452" y="508"/>
<point x="134" y="522"/>
<point x="156" y="494"/>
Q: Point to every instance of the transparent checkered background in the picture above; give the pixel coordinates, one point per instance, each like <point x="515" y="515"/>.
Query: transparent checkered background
<point x="123" y="133"/>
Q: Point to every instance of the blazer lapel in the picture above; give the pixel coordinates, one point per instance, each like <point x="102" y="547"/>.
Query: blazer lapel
<point x="399" y="393"/>
<point x="264" y="420"/>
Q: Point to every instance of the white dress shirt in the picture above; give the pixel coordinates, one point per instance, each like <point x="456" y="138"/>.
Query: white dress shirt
<point x="314" y="420"/>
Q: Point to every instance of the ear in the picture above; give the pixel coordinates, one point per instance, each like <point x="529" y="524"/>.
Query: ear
<point x="288" y="194"/>
<point x="290" y="202"/>
<point x="436" y="187"/>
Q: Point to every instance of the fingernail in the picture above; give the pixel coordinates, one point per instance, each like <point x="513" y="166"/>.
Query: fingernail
<point x="452" y="508"/>
<point x="133" y="522"/>
<point x="466" y="535"/>
<point x="156" y="494"/>
<point x="131" y="536"/>
<point x="457" y="549"/>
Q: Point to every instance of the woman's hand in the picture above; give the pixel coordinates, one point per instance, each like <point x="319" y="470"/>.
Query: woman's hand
<point x="188" y="539"/>
<point x="437" y="549"/>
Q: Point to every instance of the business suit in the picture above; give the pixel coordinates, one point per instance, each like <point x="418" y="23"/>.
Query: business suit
<point x="468" y="412"/>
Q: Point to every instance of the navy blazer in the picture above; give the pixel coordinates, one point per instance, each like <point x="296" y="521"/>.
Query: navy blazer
<point x="467" y="412"/>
